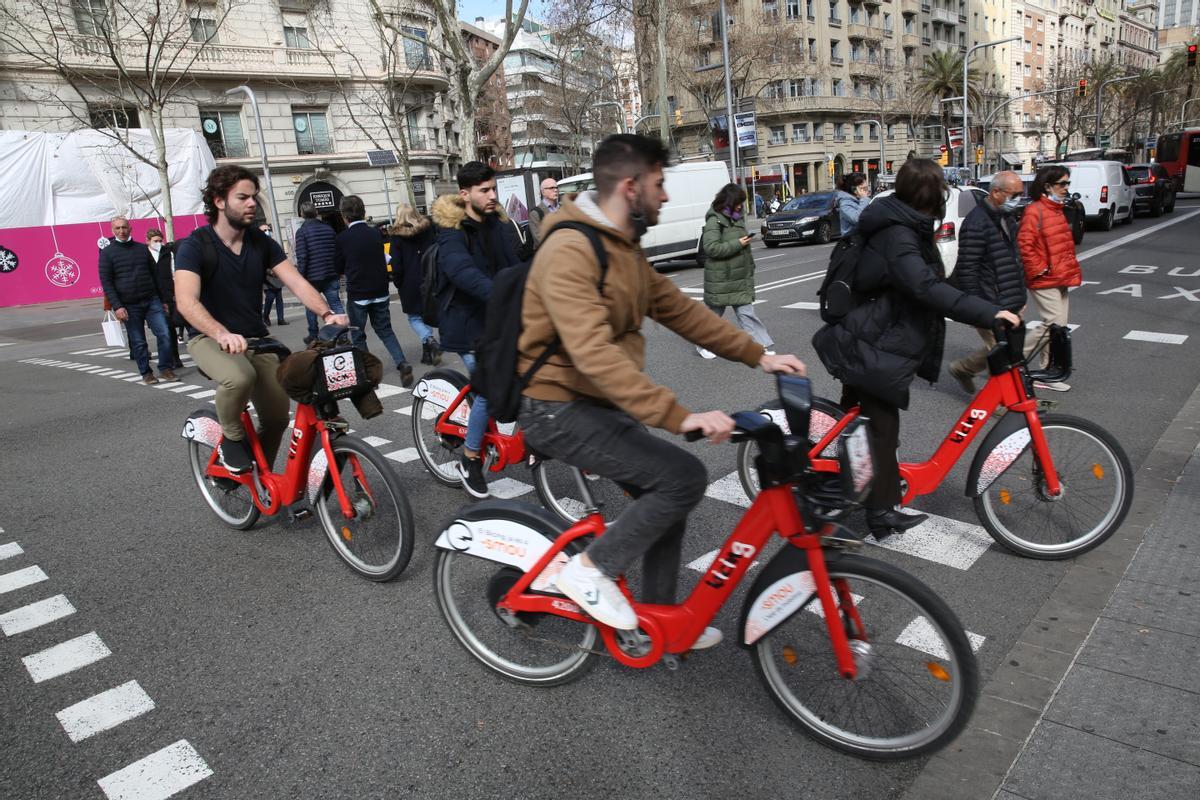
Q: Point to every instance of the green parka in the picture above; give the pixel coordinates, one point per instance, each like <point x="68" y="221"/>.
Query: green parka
<point x="729" y="270"/>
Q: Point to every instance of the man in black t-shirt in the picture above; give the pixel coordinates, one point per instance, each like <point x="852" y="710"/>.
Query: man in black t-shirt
<point x="222" y="299"/>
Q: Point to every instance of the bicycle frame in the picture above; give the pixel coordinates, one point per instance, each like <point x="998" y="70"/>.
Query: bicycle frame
<point x="1007" y="389"/>
<point x="674" y="628"/>
<point x="274" y="490"/>
<point x="509" y="447"/>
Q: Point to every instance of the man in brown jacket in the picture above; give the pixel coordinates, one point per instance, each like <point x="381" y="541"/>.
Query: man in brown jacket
<point x="589" y="405"/>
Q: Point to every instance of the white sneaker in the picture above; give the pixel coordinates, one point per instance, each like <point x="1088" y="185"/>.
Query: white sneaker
<point x="710" y="638"/>
<point x="1053" y="386"/>
<point x="597" y="594"/>
<point x="705" y="353"/>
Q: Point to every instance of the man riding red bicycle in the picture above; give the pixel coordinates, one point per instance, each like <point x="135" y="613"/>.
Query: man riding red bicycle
<point x="589" y="404"/>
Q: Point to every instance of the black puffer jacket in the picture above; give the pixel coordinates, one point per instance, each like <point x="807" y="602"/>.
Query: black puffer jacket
<point x="127" y="273"/>
<point x="989" y="264"/>
<point x="880" y="345"/>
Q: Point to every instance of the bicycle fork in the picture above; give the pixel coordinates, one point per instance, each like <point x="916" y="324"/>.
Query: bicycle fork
<point x="833" y="609"/>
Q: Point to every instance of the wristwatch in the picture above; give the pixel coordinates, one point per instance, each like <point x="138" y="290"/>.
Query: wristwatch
<point x="328" y="313"/>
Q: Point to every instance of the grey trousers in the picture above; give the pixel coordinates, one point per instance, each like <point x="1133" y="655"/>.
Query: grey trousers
<point x="666" y="481"/>
<point x="748" y="320"/>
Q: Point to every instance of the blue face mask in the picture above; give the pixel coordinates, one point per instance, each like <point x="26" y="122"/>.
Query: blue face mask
<point x="1012" y="204"/>
<point x="1055" y="198"/>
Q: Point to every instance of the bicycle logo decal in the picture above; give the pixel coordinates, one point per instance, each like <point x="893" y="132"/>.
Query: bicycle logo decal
<point x="339" y="371"/>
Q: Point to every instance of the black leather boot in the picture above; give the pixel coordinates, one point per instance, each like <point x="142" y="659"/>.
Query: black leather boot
<point x="425" y="358"/>
<point x="883" y="522"/>
<point x="435" y="353"/>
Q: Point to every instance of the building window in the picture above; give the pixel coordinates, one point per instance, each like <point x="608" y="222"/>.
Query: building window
<point x="91" y="16"/>
<point x="887" y="22"/>
<point x="204" y="29"/>
<point x="812" y="49"/>
<point x="800" y="133"/>
<point x="891" y="130"/>
<point x="108" y="116"/>
<point x="833" y="12"/>
<point x="793" y="9"/>
<point x="839" y="131"/>
<point x="295" y="37"/>
<point x="815" y="87"/>
<point x="835" y="51"/>
<point x="312" y="132"/>
<point x="855" y="16"/>
<point x="1028" y="21"/>
<point x="778" y="135"/>
<point x="416" y="52"/>
<point x="808" y="9"/>
<point x="223" y="132"/>
<point x="771" y="8"/>
<point x="1027" y="46"/>
<point x="839" y="87"/>
<point x="1028" y="71"/>
<point x="1039" y="25"/>
<point x="1039" y="48"/>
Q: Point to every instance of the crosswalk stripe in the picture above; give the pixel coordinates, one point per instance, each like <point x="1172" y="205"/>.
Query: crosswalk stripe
<point x="387" y="390"/>
<point x="157" y="776"/>
<point x="9" y="550"/>
<point x="104" y="711"/>
<point x="204" y="394"/>
<point x="35" y="615"/>
<point x="67" y="657"/>
<point x="942" y="540"/>
<point x="92" y="352"/>
<point x="805" y="306"/>
<point x="169" y="384"/>
<point x="406" y="410"/>
<point x="1160" y="338"/>
<point x="403" y="456"/>
<point x="507" y="488"/>
<point x="729" y="490"/>
<point x="376" y="441"/>
<point x="187" y="387"/>
<point x="920" y="635"/>
<point x="19" y="579"/>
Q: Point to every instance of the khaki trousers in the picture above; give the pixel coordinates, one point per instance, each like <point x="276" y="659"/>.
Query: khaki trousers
<point x="1052" y="307"/>
<point x="977" y="361"/>
<point x="240" y="379"/>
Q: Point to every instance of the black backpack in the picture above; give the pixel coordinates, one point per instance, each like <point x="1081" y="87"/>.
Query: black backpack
<point x="495" y="376"/>
<point x="434" y="291"/>
<point x="837" y="295"/>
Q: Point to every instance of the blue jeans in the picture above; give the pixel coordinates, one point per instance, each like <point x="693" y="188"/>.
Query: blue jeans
<point x="149" y="312"/>
<point x="272" y="297"/>
<point x="381" y="320"/>
<point x="423" y="331"/>
<point x="477" y="420"/>
<point x="328" y="288"/>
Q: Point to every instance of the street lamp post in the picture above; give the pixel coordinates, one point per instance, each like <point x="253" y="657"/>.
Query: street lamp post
<point x="620" y="107"/>
<point x="966" y="93"/>
<point x="733" y="153"/>
<point x="262" y="151"/>
<point x="1183" y="111"/>
<point x="987" y="121"/>
<point x="642" y="119"/>
<point x="1100" y="95"/>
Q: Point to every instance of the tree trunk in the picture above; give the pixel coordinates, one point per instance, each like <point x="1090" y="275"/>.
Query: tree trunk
<point x="465" y="78"/>
<point x="164" y="178"/>
<point x="664" y="119"/>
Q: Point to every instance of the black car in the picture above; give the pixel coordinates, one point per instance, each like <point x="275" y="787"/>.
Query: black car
<point x="807" y="218"/>
<point x="1154" y="191"/>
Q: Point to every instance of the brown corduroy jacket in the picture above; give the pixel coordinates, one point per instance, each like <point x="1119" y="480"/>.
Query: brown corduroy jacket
<point x="603" y="354"/>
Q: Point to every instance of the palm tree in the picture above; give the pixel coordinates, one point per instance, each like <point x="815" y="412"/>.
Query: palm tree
<point x="941" y="76"/>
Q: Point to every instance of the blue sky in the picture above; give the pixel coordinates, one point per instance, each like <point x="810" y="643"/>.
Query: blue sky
<point x="468" y="10"/>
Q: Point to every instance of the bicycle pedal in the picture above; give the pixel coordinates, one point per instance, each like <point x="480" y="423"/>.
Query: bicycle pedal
<point x="297" y="515"/>
<point x="672" y="661"/>
<point x="1046" y="405"/>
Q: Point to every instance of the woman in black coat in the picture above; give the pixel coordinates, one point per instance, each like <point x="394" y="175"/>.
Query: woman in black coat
<point x="411" y="236"/>
<point x="899" y="330"/>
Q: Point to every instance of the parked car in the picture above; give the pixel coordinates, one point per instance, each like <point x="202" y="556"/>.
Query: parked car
<point x="1154" y="191"/>
<point x="691" y="188"/>
<point x="958" y="205"/>
<point x="1075" y="210"/>
<point x="1104" y="189"/>
<point x="807" y="218"/>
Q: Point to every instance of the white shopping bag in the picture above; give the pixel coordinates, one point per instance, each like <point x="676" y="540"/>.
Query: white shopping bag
<point x="114" y="330"/>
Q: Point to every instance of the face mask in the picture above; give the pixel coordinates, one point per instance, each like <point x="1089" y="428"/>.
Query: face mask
<point x="1055" y="198"/>
<point x="1012" y="204"/>
<point x="156" y="246"/>
<point x="735" y="215"/>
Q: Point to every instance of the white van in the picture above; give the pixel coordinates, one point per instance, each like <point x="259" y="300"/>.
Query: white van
<point x="1104" y="189"/>
<point x="691" y="188"/>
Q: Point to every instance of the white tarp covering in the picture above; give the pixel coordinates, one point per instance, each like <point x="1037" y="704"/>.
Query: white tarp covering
<point x="86" y="176"/>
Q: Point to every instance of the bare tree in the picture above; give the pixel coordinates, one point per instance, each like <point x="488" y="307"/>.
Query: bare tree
<point x="116" y="59"/>
<point x="468" y="77"/>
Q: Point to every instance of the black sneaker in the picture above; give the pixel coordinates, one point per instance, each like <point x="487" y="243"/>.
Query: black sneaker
<point x="235" y="456"/>
<point x="435" y="352"/>
<point x="470" y="470"/>
<point x="406" y="374"/>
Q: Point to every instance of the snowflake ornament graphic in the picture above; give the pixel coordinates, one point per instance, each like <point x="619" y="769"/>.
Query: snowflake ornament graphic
<point x="8" y="260"/>
<point x="62" y="271"/>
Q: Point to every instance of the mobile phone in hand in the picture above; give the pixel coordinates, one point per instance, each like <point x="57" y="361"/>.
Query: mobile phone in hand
<point x="751" y="235"/>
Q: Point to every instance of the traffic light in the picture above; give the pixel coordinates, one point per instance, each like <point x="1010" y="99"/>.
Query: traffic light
<point x="1082" y="90"/>
<point x="754" y="173"/>
<point x="830" y="165"/>
<point x="679" y="116"/>
<point x="1191" y="57"/>
<point x="944" y="158"/>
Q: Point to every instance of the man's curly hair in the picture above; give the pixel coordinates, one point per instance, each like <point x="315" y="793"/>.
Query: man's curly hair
<point x="220" y="183"/>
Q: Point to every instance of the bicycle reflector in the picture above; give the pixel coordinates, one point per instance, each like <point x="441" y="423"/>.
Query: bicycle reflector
<point x="937" y="671"/>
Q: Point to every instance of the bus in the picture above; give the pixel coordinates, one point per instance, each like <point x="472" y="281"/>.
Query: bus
<point x="1179" y="152"/>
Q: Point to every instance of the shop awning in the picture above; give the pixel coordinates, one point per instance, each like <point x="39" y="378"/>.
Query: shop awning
<point x="1013" y="159"/>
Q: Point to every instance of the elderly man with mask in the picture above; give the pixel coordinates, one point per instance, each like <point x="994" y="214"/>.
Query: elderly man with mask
<point x="543" y="209"/>
<point x="989" y="265"/>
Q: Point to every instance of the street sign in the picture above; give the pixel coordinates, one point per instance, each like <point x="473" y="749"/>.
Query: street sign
<point x="955" y="135"/>
<point x="382" y="158"/>
<point x="745" y="130"/>
<point x="322" y="200"/>
<point x="941" y="148"/>
<point x="1105" y="140"/>
<point x="1151" y="142"/>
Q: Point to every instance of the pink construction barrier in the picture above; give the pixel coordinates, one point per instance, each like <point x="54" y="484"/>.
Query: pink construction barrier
<point x="58" y="262"/>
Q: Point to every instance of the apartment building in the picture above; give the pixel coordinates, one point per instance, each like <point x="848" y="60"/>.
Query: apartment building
<point x="1137" y="36"/>
<point x="1179" y="14"/>
<point x="493" y="122"/>
<point x="327" y="90"/>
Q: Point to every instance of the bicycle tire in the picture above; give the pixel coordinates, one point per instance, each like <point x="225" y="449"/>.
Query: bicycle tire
<point x="555" y="488"/>
<point x="824" y="414"/>
<point x="892" y="636"/>
<point x="374" y="560"/>
<point x="430" y="445"/>
<point x="218" y="491"/>
<point x="1108" y="465"/>
<point x="504" y="649"/>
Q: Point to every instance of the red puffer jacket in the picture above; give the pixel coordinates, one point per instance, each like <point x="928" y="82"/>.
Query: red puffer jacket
<point x="1047" y="247"/>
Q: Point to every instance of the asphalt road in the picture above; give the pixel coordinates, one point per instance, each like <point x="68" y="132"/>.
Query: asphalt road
<point x="289" y="677"/>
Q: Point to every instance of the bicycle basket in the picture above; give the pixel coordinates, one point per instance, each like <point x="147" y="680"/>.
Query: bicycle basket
<point x="1057" y="343"/>
<point x="340" y="372"/>
<point x="857" y="463"/>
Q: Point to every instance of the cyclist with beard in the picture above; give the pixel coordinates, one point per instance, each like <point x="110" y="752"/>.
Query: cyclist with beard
<point x="219" y="275"/>
<point x="590" y="405"/>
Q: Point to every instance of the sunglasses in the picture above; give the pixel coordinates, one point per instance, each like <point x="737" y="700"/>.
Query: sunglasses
<point x="1063" y="183"/>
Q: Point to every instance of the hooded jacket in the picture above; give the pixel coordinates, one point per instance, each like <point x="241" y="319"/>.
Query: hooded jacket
<point x="1048" y="247"/>
<point x="408" y="244"/>
<point x="989" y="265"/>
<point x="900" y="331"/>
<point x="729" y="268"/>
<point x="470" y="254"/>
<point x="603" y="354"/>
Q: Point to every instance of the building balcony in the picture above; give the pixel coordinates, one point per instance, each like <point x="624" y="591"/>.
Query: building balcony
<point x="833" y="105"/>
<point x="90" y="54"/>
<point x="944" y="46"/>
<point x="926" y="41"/>
<point x="864" y="66"/>
<point x="909" y="7"/>
<point x="944" y="16"/>
<point x="909" y="40"/>
<point x="856" y="31"/>
<point x="837" y="61"/>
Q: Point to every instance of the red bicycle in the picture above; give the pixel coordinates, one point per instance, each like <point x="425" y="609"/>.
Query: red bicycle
<point x="361" y="505"/>
<point x="1044" y="485"/>
<point x="862" y="655"/>
<point x="441" y="405"/>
